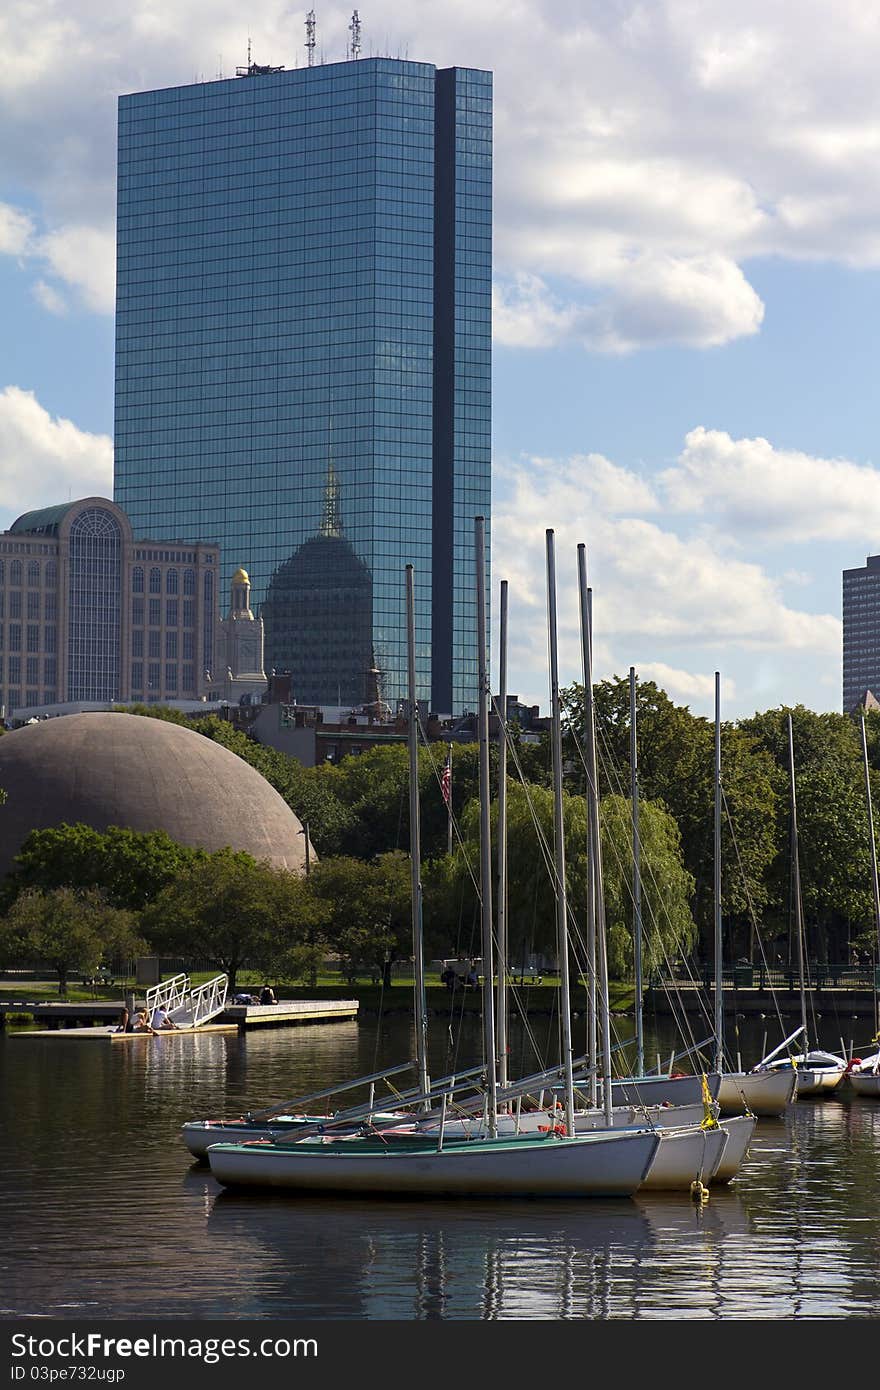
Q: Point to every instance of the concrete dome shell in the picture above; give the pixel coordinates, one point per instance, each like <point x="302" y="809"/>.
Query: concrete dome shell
<point x="142" y="774"/>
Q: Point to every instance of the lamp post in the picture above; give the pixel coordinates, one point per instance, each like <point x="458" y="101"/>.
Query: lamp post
<point x="305" y="831"/>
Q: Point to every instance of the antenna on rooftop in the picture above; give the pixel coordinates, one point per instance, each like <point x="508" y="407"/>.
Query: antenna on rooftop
<point x="310" y="36"/>
<point x="354" y="29"/>
<point x="255" y="69"/>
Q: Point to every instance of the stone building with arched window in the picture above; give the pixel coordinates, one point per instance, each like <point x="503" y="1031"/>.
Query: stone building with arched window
<point x="90" y="614"/>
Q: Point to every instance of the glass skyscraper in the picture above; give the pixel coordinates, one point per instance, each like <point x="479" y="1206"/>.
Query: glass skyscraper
<point x="303" y="355"/>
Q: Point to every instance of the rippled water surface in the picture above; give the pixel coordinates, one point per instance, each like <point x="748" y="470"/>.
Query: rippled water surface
<point x="103" y="1212"/>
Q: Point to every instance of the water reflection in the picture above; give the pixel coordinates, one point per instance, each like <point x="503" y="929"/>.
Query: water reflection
<point x="102" y="1210"/>
<point x="336" y="1258"/>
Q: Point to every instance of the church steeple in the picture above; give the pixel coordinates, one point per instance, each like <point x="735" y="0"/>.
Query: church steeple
<point x="331" y="521"/>
<point x="240" y="595"/>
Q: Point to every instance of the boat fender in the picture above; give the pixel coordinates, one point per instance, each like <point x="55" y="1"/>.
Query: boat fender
<point x="699" y="1193"/>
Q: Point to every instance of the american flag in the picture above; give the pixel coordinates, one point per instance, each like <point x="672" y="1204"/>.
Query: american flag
<point x="446" y="778"/>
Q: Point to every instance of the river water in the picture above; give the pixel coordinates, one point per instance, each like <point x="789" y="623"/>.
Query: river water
<point x="104" y="1214"/>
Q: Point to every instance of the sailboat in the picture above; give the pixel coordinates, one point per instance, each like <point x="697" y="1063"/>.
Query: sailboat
<point x="864" y="1074"/>
<point x="763" y="1092"/>
<point x="694" y="1148"/>
<point x="818" y="1072"/>
<point x="548" y="1163"/>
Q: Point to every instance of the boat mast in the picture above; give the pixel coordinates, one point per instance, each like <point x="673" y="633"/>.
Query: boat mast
<point x="637" y="873"/>
<point x="719" y="963"/>
<point x="601" y="961"/>
<point x="591" y="1011"/>
<point x="421" y="1008"/>
<point x="873" y="871"/>
<point x="796" y="889"/>
<point x="559" y="843"/>
<point x="485" y="840"/>
<point x="501" y="1008"/>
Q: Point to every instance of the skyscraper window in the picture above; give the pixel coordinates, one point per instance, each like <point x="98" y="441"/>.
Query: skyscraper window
<point x="304" y="282"/>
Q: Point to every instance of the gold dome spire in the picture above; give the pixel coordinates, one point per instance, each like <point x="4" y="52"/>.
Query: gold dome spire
<point x="241" y="577"/>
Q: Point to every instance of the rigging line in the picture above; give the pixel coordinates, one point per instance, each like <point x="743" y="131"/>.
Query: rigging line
<point x="683" y="1020"/>
<point x="544" y="846"/>
<point x="752" y="914"/>
<point x="517" y="999"/>
<point x="575" y="932"/>
<point x="677" y="1010"/>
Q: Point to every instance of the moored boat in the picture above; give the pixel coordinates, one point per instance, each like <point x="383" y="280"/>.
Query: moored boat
<point x="864" y="1076"/>
<point x="763" y="1093"/>
<point x="817" y="1073"/>
<point x="603" y="1164"/>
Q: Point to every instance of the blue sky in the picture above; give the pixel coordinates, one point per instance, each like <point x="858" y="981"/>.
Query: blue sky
<point x="687" y="247"/>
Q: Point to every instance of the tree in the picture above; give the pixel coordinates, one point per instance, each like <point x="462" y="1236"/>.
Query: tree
<point x="669" y="926"/>
<point x="130" y="867"/>
<point x="370" y="907"/>
<point x="69" y="929"/>
<point x="676" y="769"/>
<point x="232" y="911"/>
<point x="833" y="842"/>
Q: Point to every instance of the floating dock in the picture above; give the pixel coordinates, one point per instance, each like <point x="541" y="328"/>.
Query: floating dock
<point x="98" y="1020"/>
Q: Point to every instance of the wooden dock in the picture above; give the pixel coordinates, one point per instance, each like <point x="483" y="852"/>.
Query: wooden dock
<point x="98" y="1020"/>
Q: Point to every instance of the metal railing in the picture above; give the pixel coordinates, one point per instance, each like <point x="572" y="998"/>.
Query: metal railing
<point x="818" y="975"/>
<point x="170" y="994"/>
<point x="188" y="1007"/>
<point x="202" y="1003"/>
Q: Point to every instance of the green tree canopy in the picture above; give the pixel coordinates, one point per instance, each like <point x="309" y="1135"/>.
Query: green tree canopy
<point x="234" y="912"/>
<point x="130" y="867"/>
<point x="68" y="929"/>
<point x="669" y="926"/>
<point x="370" y="909"/>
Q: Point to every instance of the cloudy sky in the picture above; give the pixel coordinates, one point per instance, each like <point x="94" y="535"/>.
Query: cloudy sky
<point x="687" y="256"/>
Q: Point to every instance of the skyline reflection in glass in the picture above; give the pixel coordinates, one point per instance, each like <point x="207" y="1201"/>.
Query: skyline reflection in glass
<point x="304" y="294"/>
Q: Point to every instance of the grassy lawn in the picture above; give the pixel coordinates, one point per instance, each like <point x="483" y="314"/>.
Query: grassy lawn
<point x="46" y="991"/>
<point x="364" y="987"/>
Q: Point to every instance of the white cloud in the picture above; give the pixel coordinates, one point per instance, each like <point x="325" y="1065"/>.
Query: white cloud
<point x="49" y="297"/>
<point x="647" y="301"/>
<point x="526" y="314"/>
<point x="643" y="152"/>
<point x="44" y="459"/>
<point x="747" y="484"/>
<point x="683" y="686"/>
<point x="16" y="229"/>
<point x="84" y="257"/>
<point x="655" y="590"/>
<point x="81" y="255"/>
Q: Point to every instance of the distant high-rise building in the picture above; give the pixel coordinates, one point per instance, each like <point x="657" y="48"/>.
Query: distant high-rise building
<point x="861" y="632"/>
<point x="90" y="614"/>
<point x="304" y="285"/>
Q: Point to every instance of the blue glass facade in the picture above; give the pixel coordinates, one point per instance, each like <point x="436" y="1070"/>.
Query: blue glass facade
<point x="304" y="291"/>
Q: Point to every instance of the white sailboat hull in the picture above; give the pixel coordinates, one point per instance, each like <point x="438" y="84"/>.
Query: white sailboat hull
<point x="762" y="1092"/>
<point x="816" y="1081"/>
<point x="685" y="1156"/>
<point x="865" y="1077"/>
<point x="596" y="1165"/>
<point x="662" y="1090"/>
<point x="817" y="1074"/>
<point x="865" y="1083"/>
<point x="739" y="1129"/>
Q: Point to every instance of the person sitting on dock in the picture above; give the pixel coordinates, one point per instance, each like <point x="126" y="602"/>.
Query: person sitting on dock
<point x="161" y="1018"/>
<point x="140" y="1023"/>
<point x="267" y="995"/>
<point x="124" y="1024"/>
